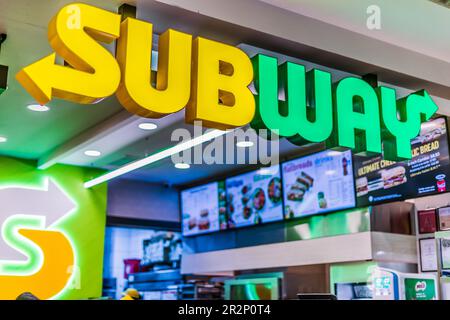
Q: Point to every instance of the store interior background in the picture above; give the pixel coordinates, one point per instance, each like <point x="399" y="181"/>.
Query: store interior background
<point x="143" y="210"/>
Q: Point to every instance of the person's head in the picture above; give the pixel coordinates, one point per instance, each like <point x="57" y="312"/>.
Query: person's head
<point x="132" y="293"/>
<point x="27" y="296"/>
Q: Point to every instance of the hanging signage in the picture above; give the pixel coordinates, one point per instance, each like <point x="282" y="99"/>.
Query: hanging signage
<point x="255" y="197"/>
<point x="203" y="209"/>
<point x="318" y="183"/>
<point x="211" y="80"/>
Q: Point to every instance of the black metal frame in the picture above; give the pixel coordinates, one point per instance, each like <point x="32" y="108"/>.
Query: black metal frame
<point x="142" y="224"/>
<point x="420" y="255"/>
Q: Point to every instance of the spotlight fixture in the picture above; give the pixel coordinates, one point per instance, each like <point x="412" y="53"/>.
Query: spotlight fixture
<point x="92" y="153"/>
<point x="182" y="165"/>
<point x="38" y="108"/>
<point x="147" y="126"/>
<point x="245" y="144"/>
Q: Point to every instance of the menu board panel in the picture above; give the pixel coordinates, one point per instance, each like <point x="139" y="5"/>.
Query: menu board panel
<point x="202" y="208"/>
<point x="318" y="183"/>
<point x="379" y="180"/>
<point x="255" y="197"/>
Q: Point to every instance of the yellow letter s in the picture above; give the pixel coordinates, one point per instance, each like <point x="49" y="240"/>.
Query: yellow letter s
<point x="95" y="73"/>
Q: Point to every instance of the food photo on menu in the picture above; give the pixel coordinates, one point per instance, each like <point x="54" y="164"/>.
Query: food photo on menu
<point x="255" y="197"/>
<point x="318" y="183"/>
<point x="200" y="209"/>
<point x="379" y="180"/>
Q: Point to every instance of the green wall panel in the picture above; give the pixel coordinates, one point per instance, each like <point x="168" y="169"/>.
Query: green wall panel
<point x="332" y="224"/>
<point x="24" y="188"/>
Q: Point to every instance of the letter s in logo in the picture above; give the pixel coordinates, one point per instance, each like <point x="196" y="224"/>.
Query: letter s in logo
<point x="92" y="72"/>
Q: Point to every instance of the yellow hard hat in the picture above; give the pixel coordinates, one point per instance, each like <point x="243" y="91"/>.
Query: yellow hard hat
<point x="132" y="293"/>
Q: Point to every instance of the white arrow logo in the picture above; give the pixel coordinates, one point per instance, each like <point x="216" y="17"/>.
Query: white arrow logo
<point x="49" y="202"/>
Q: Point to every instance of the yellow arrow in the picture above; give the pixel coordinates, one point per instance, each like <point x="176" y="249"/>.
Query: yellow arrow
<point x="44" y="80"/>
<point x="73" y="34"/>
<point x="54" y="273"/>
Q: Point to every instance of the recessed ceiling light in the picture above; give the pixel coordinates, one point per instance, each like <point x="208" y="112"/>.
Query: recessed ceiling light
<point x="244" y="144"/>
<point x="38" y="108"/>
<point x="3" y="139"/>
<point x="182" y="165"/>
<point x="93" y="153"/>
<point x="147" y="126"/>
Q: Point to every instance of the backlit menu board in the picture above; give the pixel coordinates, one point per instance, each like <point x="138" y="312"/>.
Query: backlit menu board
<point x="203" y="209"/>
<point x="379" y="180"/>
<point x="255" y="197"/>
<point x="318" y="183"/>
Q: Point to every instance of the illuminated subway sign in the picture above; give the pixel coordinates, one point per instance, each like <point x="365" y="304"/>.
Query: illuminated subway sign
<point x="211" y="80"/>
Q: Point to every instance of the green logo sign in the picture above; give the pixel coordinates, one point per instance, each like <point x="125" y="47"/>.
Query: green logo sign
<point x="420" y="289"/>
<point x="350" y="113"/>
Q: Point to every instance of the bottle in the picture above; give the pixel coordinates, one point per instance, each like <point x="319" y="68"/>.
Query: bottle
<point x="322" y="201"/>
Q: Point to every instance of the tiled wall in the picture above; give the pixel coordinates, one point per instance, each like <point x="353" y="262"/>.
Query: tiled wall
<point x="142" y="200"/>
<point x="120" y="244"/>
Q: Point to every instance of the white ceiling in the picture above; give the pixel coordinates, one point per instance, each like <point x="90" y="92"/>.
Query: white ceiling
<point x="418" y="25"/>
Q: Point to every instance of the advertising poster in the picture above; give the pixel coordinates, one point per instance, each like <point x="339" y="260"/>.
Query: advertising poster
<point x="420" y="289"/>
<point x="200" y="208"/>
<point x="255" y="197"/>
<point x="445" y="254"/>
<point x="385" y="285"/>
<point x="318" y="183"/>
<point x="428" y="256"/>
<point x="444" y="218"/>
<point x="427" y="221"/>
<point x="379" y="180"/>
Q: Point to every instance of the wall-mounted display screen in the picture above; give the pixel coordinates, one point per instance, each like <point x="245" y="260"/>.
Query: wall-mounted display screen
<point x="353" y="291"/>
<point x="318" y="183"/>
<point x="202" y="208"/>
<point x="379" y="180"/>
<point x="255" y="197"/>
